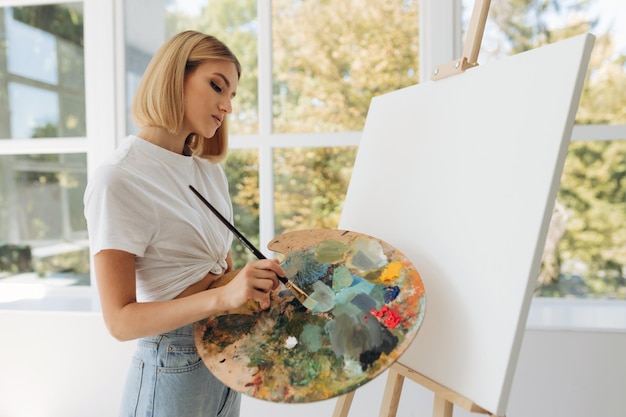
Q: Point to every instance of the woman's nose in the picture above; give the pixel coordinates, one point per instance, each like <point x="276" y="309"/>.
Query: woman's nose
<point x="226" y="106"/>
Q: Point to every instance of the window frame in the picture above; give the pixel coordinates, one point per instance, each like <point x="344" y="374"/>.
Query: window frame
<point x="440" y="38"/>
<point x="98" y="35"/>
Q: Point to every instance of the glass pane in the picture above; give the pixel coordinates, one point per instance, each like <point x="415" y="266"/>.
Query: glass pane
<point x="149" y="24"/>
<point x="43" y="232"/>
<point x="520" y="26"/>
<point x="28" y="121"/>
<point x="331" y="58"/>
<point x="585" y="252"/>
<point x="310" y="186"/>
<point x="42" y="81"/>
<point x="585" y="255"/>
<point x="242" y="171"/>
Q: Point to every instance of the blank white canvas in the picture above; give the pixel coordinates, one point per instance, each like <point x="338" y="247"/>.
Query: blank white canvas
<point x="461" y="175"/>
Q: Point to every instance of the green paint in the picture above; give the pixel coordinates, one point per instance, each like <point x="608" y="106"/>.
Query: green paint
<point x="311" y="337"/>
<point x="330" y="251"/>
<point x="322" y="298"/>
<point x="378" y="295"/>
<point x="347" y="308"/>
<point x="342" y="278"/>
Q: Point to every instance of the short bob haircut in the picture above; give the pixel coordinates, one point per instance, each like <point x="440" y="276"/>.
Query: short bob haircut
<point x="159" y="99"/>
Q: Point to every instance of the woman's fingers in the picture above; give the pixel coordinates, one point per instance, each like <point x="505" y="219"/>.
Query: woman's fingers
<point x="256" y="280"/>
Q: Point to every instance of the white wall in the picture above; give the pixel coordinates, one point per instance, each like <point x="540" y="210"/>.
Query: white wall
<point x="64" y="364"/>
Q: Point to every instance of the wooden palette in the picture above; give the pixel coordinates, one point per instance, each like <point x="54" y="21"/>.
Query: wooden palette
<point x="366" y="304"/>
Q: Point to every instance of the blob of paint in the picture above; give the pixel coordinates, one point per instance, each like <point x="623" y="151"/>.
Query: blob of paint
<point x="391" y="272"/>
<point x="322" y="299"/>
<point x="311" y="337"/>
<point x="303" y="269"/>
<point x="331" y="251"/>
<point x="391" y="293"/>
<point x="390" y="317"/>
<point x="291" y="342"/>
<point x="342" y="278"/>
<point x="367" y="254"/>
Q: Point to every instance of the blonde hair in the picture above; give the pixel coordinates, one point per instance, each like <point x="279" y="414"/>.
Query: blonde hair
<point x="159" y="99"/>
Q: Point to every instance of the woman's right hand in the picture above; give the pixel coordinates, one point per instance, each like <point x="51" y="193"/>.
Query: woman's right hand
<point x="254" y="282"/>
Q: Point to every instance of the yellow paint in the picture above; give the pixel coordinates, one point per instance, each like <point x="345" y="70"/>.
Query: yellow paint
<point x="391" y="273"/>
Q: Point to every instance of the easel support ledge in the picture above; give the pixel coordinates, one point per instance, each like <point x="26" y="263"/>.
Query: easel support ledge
<point x="471" y="47"/>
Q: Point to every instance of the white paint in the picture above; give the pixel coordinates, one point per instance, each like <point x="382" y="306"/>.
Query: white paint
<point x="291" y="342"/>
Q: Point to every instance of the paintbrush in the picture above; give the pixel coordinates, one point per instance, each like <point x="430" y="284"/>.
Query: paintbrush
<point x="296" y="291"/>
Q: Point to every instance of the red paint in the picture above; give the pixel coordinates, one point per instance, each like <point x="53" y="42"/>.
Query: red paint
<point x="390" y="317"/>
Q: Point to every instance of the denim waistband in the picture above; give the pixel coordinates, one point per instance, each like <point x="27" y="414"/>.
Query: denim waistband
<point x="185" y="331"/>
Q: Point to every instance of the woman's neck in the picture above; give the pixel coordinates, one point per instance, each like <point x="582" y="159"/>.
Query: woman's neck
<point x="161" y="137"/>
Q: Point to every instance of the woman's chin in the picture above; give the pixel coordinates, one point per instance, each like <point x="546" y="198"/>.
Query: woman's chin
<point x="209" y="133"/>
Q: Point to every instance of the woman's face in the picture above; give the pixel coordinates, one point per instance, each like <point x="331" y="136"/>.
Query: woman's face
<point x="208" y="92"/>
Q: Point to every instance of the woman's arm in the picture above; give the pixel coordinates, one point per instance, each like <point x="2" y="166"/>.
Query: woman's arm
<point x="128" y="319"/>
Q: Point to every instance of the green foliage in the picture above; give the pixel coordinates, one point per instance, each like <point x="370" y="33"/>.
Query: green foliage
<point x="593" y="190"/>
<point x="528" y="24"/>
<point x="64" y="21"/>
<point x="73" y="264"/>
<point x="310" y="187"/>
<point x="234" y="23"/>
<point x="590" y="258"/>
<point x="242" y="170"/>
<point x="331" y="57"/>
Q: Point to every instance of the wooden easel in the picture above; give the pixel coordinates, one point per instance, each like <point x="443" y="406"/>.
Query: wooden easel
<point x="443" y="403"/>
<point x="445" y="399"/>
<point x="471" y="47"/>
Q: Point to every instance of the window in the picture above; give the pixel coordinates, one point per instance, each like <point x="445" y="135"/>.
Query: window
<point x="585" y="255"/>
<point x="43" y="237"/>
<point x="299" y="111"/>
<point x="302" y="99"/>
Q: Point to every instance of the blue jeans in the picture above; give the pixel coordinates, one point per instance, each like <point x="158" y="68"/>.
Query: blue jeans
<point x="167" y="378"/>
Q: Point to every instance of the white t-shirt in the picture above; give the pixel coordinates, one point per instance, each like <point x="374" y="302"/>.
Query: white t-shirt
<point x="139" y="201"/>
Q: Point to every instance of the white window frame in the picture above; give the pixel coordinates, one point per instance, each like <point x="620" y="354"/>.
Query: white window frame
<point x="100" y="127"/>
<point x="440" y="42"/>
<point x="42" y="145"/>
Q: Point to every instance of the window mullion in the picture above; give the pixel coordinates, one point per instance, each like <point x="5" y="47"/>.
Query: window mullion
<point x="99" y="79"/>
<point x="43" y="146"/>
<point x="440" y="34"/>
<point x="599" y="132"/>
<point x="266" y="151"/>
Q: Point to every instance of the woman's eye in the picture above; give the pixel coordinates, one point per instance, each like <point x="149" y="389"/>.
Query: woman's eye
<point x="216" y="87"/>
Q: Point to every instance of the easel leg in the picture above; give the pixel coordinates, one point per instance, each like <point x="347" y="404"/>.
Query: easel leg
<point x="444" y="398"/>
<point x="343" y="405"/>
<point x="442" y="407"/>
<point x="391" y="397"/>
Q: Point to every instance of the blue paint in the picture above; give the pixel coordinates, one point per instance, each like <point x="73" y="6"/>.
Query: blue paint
<point x="391" y="293"/>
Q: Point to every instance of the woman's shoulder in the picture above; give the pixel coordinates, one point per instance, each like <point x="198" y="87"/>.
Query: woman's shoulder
<point x="113" y="172"/>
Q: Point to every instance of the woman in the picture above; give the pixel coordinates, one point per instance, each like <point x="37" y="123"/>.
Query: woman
<point x="158" y="253"/>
